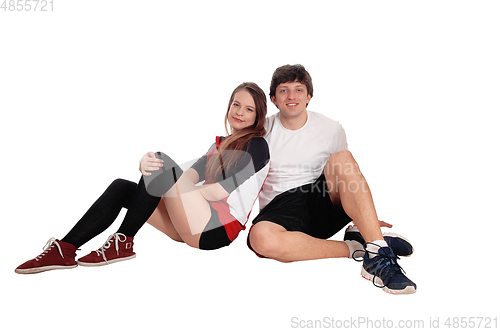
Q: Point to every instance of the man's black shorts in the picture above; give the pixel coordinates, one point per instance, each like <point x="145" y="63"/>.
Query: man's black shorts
<point x="306" y="209"/>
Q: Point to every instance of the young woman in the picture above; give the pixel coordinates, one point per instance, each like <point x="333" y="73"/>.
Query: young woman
<point x="205" y="216"/>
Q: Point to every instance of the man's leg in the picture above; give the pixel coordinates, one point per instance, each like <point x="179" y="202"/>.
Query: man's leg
<point x="274" y="241"/>
<point x="347" y="186"/>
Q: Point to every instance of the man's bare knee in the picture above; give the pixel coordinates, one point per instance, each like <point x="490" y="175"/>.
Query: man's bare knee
<point x="341" y="163"/>
<point x="264" y="239"/>
<point x="341" y="157"/>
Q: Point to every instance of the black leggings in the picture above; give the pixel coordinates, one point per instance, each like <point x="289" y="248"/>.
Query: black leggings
<point x="139" y="201"/>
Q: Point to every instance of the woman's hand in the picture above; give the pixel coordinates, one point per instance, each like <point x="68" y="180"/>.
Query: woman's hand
<point x="150" y="163"/>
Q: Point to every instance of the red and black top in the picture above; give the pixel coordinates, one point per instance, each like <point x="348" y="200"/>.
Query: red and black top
<point x="243" y="182"/>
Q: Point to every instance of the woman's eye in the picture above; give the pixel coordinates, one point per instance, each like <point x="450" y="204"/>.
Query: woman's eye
<point x="249" y="109"/>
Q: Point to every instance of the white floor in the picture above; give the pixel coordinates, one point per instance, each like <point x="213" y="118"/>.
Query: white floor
<point x="87" y="89"/>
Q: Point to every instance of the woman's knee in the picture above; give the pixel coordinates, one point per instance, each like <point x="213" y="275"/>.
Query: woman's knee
<point x="160" y="181"/>
<point x="168" y="163"/>
<point x="120" y="192"/>
<point x="122" y="185"/>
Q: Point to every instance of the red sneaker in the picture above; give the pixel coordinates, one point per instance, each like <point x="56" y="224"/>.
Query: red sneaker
<point x="51" y="259"/>
<point x="123" y="250"/>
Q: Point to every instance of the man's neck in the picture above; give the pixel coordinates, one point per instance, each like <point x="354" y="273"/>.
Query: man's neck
<point x="294" y="123"/>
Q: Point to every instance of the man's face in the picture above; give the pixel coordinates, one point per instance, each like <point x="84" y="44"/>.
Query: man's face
<point x="291" y="99"/>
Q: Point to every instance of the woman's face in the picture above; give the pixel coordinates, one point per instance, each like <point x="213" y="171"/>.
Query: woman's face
<point x="242" y="112"/>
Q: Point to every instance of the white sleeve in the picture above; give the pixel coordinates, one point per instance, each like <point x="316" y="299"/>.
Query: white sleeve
<point x="339" y="140"/>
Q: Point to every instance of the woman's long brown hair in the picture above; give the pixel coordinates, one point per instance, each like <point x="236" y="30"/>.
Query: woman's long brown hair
<point x="235" y="143"/>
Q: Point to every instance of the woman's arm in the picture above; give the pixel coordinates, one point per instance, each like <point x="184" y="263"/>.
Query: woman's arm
<point x="211" y="192"/>
<point x="192" y="175"/>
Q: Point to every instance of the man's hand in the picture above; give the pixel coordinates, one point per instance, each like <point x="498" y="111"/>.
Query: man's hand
<point x="384" y="224"/>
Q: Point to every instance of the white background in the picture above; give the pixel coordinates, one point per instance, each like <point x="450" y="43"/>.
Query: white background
<point x="87" y="89"/>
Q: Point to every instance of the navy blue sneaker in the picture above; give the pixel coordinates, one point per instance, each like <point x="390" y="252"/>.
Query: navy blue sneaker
<point x="384" y="271"/>
<point x="399" y="245"/>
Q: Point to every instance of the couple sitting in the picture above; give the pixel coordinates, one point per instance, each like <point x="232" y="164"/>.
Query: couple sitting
<point x="297" y="163"/>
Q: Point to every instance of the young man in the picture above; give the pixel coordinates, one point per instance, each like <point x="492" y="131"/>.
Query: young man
<point x="315" y="188"/>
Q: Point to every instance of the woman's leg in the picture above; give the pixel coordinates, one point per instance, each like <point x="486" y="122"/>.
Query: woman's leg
<point x="121" y="193"/>
<point x="61" y="254"/>
<point x="189" y="211"/>
<point x="102" y="213"/>
<point x="161" y="221"/>
<point x="187" y="216"/>
<point x="140" y="208"/>
<point x="119" y="246"/>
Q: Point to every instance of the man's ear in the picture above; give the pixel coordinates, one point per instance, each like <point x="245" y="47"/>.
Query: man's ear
<point x="273" y="100"/>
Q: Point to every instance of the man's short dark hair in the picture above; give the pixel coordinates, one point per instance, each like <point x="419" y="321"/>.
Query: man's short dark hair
<point x="291" y="73"/>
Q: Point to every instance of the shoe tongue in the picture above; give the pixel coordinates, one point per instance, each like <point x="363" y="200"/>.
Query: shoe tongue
<point x="385" y="251"/>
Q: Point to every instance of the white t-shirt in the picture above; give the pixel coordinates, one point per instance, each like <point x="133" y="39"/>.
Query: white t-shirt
<point x="299" y="156"/>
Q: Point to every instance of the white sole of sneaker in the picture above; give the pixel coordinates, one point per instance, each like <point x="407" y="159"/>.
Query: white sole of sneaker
<point x="378" y="282"/>
<point x="116" y="260"/>
<point x="44" y="268"/>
